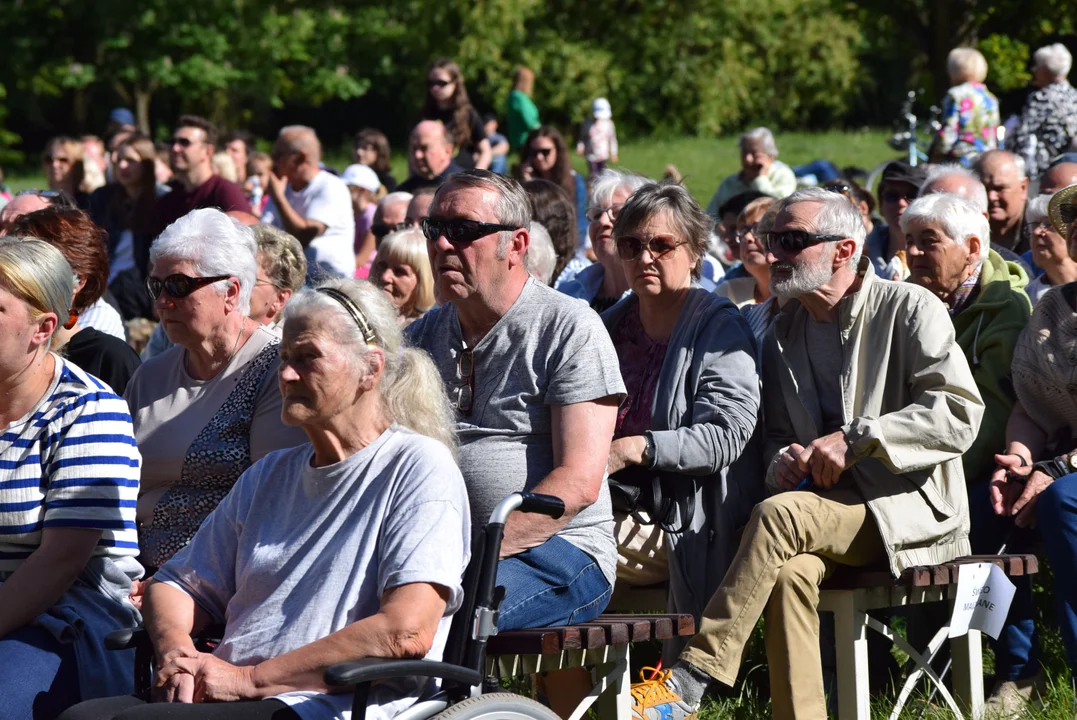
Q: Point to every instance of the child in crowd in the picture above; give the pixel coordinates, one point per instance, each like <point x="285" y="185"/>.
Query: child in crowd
<point x="598" y="137"/>
<point x="499" y="145"/>
<point x="366" y="190"/>
<point x="259" y="165"/>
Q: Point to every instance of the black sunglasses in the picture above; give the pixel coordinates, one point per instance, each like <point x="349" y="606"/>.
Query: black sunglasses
<point x="541" y="152"/>
<point x="182" y="141"/>
<point x="438" y="83"/>
<point x="465" y="387"/>
<point x="459" y="230"/>
<point x="380" y="230"/>
<point x="630" y="247"/>
<point x="793" y="241"/>
<point x="179" y="286"/>
<point x="893" y="196"/>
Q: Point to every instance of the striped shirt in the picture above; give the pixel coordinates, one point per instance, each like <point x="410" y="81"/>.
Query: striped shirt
<point x="71" y="462"/>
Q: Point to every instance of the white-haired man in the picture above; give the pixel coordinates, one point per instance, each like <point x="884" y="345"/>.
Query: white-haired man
<point x="390" y="215"/>
<point x="863" y="384"/>
<point x="949" y="255"/>
<point x="313" y="205"/>
<point x="1049" y="120"/>
<point x="1005" y="178"/>
<point x="760" y="170"/>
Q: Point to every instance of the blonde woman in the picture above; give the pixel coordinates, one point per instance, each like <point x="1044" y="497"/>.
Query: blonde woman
<point x="62" y="164"/>
<point x="402" y="270"/>
<point x="970" y="117"/>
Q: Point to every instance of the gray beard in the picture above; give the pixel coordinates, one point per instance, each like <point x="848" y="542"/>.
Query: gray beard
<point x="804" y="278"/>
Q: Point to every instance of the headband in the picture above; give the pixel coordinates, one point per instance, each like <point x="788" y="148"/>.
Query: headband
<point x="354" y="311"/>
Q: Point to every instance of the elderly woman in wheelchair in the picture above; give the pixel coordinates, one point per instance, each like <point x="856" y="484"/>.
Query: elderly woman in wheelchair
<point x="350" y="546"/>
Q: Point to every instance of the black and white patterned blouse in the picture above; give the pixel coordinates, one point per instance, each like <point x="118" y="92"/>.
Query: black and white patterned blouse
<point x="1048" y="125"/>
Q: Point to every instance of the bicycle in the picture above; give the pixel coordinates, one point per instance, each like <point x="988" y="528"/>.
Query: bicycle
<point x="911" y="140"/>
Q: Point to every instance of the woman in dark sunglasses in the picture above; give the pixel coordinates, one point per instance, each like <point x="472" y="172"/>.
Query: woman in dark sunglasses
<point x="447" y="101"/>
<point x="688" y="361"/>
<point x="207" y="408"/>
<point x="545" y="157"/>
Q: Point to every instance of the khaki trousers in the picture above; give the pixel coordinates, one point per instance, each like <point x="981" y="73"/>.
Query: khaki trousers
<point x="792" y="543"/>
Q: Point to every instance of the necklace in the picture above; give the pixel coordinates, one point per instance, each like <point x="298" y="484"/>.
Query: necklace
<point x="235" y="347"/>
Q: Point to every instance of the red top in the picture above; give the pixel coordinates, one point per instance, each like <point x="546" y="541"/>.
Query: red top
<point x="213" y="193"/>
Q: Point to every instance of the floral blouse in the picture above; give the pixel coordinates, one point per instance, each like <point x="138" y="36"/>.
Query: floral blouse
<point x="1048" y="125"/>
<point x="641" y="361"/>
<point x="969" y="119"/>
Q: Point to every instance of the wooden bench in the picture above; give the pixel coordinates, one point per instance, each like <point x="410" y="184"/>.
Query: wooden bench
<point x="601" y="646"/>
<point x="850" y="594"/>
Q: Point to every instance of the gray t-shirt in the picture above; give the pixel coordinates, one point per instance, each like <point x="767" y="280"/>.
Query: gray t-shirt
<point x="824" y="342"/>
<point x="548" y="349"/>
<point x="295" y="553"/>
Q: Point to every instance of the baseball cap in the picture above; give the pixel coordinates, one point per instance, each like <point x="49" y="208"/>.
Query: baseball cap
<point x="361" y="176"/>
<point x="122" y="116"/>
<point x="600" y="108"/>
<point x="898" y="171"/>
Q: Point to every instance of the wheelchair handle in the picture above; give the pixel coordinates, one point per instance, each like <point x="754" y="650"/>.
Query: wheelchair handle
<point x="527" y="502"/>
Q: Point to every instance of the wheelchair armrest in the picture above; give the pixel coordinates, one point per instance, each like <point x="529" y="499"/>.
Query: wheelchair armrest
<point x="367" y="671"/>
<point x="126" y="638"/>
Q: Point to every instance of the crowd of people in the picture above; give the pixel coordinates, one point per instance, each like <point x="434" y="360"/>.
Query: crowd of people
<point x="242" y="388"/>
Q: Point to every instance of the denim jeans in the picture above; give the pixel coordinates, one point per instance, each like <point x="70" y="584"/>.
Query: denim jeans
<point x="1017" y="650"/>
<point x="38" y="675"/>
<point x="555" y="583"/>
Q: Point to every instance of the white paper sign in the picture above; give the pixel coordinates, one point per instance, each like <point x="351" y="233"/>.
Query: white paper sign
<point x="984" y="594"/>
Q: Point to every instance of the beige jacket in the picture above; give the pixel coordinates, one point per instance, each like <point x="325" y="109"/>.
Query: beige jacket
<point x="911" y="409"/>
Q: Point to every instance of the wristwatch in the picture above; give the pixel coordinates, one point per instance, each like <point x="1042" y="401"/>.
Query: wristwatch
<point x="648" y="450"/>
<point x="1058" y="467"/>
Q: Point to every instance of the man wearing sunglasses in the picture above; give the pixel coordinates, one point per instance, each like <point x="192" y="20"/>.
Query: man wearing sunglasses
<point x="430" y="156"/>
<point x="194" y="185"/>
<point x="898" y="187"/>
<point x="534" y="379"/>
<point x="869" y="404"/>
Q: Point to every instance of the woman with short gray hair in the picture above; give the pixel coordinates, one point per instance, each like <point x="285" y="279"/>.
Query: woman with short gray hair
<point x="282" y="269"/>
<point x="1049" y="250"/>
<point x="760" y="170"/>
<point x="687" y="357"/>
<point x="603" y="283"/>
<point x="208" y="407"/>
<point x="1049" y="120"/>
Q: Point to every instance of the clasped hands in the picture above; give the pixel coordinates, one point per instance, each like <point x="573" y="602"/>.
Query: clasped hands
<point x="824" y="460"/>
<point x="189" y="676"/>
<point x="1013" y="498"/>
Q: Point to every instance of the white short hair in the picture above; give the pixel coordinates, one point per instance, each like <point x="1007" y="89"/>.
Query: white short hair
<point x="541" y="257"/>
<point x="977" y="193"/>
<point x="956" y="216"/>
<point x="837" y="216"/>
<point x="1055" y="58"/>
<point x="1037" y="208"/>
<point x="765" y="137"/>
<point x="393" y="198"/>
<point x="610" y="181"/>
<point x="965" y="64"/>
<point x="216" y="245"/>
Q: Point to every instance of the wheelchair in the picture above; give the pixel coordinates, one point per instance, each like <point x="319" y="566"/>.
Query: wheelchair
<point x="467" y="692"/>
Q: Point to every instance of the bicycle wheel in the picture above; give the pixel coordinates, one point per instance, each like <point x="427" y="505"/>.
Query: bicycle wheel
<point x="498" y="706"/>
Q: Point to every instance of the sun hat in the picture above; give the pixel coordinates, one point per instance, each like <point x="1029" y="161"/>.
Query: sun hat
<point x="361" y="176"/>
<point x="1062" y="210"/>
<point x="600" y="108"/>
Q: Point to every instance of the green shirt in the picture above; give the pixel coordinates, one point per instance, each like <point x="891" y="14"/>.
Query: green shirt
<point x="521" y="118"/>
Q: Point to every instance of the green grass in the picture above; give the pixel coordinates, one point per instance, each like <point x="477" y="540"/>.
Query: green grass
<point x="702" y="161"/>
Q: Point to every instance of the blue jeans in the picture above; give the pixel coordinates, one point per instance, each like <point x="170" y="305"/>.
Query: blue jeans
<point x="38" y="675"/>
<point x="555" y="583"/>
<point x="1017" y="650"/>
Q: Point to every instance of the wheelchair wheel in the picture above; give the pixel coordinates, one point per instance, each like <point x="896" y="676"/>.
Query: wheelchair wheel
<point x="498" y="706"/>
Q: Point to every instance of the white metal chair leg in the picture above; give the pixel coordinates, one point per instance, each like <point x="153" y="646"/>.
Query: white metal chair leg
<point x="851" y="644"/>
<point x="615" y="702"/>
<point x="923" y="666"/>
<point x="967" y="655"/>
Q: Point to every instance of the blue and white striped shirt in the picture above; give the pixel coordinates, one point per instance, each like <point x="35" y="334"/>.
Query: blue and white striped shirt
<point x="71" y="462"/>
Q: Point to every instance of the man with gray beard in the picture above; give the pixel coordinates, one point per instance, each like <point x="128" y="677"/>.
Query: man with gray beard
<point x="869" y="405"/>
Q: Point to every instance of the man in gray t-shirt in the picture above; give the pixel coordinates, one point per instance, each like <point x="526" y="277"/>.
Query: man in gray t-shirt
<point x="535" y="381"/>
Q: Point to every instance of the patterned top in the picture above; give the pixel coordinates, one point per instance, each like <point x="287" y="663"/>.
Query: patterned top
<point x="969" y="119"/>
<point x="965" y="294"/>
<point x="1048" y="124"/>
<point x="598" y="140"/>
<point x="70" y="462"/>
<point x="641" y="360"/>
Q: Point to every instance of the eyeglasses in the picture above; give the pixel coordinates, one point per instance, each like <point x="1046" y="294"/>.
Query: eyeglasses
<point x="541" y="152"/>
<point x="745" y="231"/>
<point x="182" y="141"/>
<point x="380" y="230"/>
<point x="460" y="231"/>
<point x="630" y="247"/>
<point x="594" y="213"/>
<point x="840" y="188"/>
<point x="178" y="285"/>
<point x="893" y="196"/>
<point x="438" y="83"/>
<point x="57" y="158"/>
<point x="791" y="242"/>
<point x="465" y="373"/>
<point x="1044" y="224"/>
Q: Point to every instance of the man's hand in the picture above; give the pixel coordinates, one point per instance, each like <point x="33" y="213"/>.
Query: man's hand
<point x="626" y="451"/>
<point x="788" y="473"/>
<point x="1004" y="491"/>
<point x="214" y="679"/>
<point x="138" y="588"/>
<point x="178" y="688"/>
<point x="277" y="186"/>
<point x="826" y="459"/>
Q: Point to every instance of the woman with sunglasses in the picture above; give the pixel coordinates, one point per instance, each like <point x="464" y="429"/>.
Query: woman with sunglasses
<point x="82" y="243"/>
<point x="687" y="357"/>
<point x="70" y="477"/>
<point x="752" y="293"/>
<point x="207" y="408"/>
<point x="447" y="101"/>
<point x="603" y="283"/>
<point x="62" y="166"/>
<point x="545" y="157"/>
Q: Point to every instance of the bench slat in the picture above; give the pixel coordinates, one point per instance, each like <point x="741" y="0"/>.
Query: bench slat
<point x="604" y="630"/>
<point x="849" y="578"/>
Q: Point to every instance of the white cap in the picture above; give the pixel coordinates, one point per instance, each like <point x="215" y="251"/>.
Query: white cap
<point x="600" y="108"/>
<point x="361" y="176"/>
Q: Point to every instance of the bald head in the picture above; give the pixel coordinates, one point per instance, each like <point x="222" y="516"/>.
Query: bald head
<point x="392" y="209"/>
<point x="1057" y="177"/>
<point x="1003" y="174"/>
<point x="956" y="181"/>
<point x="20" y="205"/>
<point x="296" y="155"/>
<point x="429" y="149"/>
<point x="302" y="139"/>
